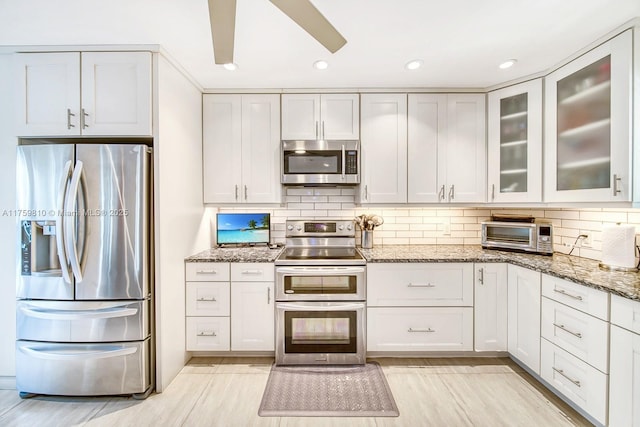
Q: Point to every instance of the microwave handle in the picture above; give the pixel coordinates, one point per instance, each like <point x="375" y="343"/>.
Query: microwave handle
<point x="344" y="159"/>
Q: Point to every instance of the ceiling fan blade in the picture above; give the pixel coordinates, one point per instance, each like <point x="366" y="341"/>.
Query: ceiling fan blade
<point x="222" y="14"/>
<point x="305" y="14"/>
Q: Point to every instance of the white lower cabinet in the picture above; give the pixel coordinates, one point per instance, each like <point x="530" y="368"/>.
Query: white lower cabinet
<point x="420" y="329"/>
<point x="580" y="382"/>
<point x="208" y="333"/>
<point x="524" y="316"/>
<point x="624" y="380"/>
<point x="490" y="307"/>
<point x="252" y="316"/>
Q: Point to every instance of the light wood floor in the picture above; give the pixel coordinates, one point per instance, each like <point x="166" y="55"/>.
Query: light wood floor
<point x="227" y="392"/>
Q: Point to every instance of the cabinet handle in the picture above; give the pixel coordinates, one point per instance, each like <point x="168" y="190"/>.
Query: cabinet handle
<point x="420" y="285"/>
<point x="441" y="193"/>
<point x="481" y="279"/>
<point x="268" y="296"/>
<point x="575" y="334"/>
<point x="245" y="192"/>
<point x="251" y="272"/>
<point x="493" y="192"/>
<point x="451" y="193"/>
<point x="563" y="292"/>
<point x="616" y="178"/>
<point x="210" y="299"/>
<point x="561" y="372"/>
<point x="236" y="191"/>
<point x="322" y="130"/>
<point x="317" y="124"/>
<point x="207" y="272"/>
<point x="420" y="330"/>
<point x="207" y="334"/>
<point x="366" y="193"/>
<point x="83" y="122"/>
<point x="69" y="115"/>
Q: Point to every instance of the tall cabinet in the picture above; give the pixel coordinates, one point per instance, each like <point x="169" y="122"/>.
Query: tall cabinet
<point x="446" y="148"/>
<point x="588" y="126"/>
<point x="241" y="148"/>
<point x="514" y="161"/>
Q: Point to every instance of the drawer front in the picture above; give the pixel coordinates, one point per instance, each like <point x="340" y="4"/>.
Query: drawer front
<point x="208" y="334"/>
<point x="83" y="369"/>
<point x="580" y="297"/>
<point x="578" y="381"/>
<point x="578" y="333"/>
<point x="82" y="321"/>
<point x="420" y="329"/>
<point x="420" y="285"/>
<point x="208" y="299"/>
<point x="625" y="313"/>
<point x="252" y="272"/>
<point x="207" y="272"/>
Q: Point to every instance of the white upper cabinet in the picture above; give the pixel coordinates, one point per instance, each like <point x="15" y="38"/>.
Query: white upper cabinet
<point x="514" y="158"/>
<point x="446" y="148"/>
<point x="89" y="93"/>
<point x="384" y="148"/>
<point x="241" y="149"/>
<point x="321" y="116"/>
<point x="588" y="126"/>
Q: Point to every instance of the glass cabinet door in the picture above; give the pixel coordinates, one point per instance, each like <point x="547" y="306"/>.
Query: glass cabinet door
<point x="515" y="143"/>
<point x="588" y="117"/>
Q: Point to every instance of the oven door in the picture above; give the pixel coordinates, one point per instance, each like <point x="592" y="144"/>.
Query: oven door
<point x="312" y="333"/>
<point x="321" y="283"/>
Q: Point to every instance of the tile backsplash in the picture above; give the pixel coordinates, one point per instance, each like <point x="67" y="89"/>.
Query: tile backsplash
<point x="439" y="225"/>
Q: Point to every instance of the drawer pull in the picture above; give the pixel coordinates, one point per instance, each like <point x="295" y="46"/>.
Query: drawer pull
<point x="563" y="292"/>
<point x="421" y="330"/>
<point x="211" y="299"/>
<point x="575" y="334"/>
<point x="207" y="334"/>
<point x="207" y="272"/>
<point x="255" y="272"/>
<point x="420" y="285"/>
<point x="561" y="372"/>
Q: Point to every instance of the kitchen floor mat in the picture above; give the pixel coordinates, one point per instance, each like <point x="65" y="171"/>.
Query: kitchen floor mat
<point x="328" y="391"/>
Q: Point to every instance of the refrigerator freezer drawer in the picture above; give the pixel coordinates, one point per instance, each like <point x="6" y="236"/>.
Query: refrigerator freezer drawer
<point x="82" y="321"/>
<point x="83" y="369"/>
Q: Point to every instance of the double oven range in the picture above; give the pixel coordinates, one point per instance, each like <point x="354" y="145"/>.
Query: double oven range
<point x="320" y="295"/>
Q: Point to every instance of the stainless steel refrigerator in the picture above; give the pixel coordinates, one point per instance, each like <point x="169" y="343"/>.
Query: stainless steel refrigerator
<point x="84" y="289"/>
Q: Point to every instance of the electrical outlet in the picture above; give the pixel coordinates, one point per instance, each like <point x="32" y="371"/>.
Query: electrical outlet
<point x="446" y="228"/>
<point x="586" y="241"/>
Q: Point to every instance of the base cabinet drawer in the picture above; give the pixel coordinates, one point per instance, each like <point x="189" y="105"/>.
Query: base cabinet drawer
<point x="578" y="381"/>
<point x="208" y="299"/>
<point x="430" y="284"/>
<point x="580" y="297"/>
<point x="208" y="334"/>
<point x="578" y="333"/>
<point x="420" y="329"/>
<point x="207" y="272"/>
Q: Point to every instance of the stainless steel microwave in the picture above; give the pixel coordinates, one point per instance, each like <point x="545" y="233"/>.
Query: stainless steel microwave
<point x="520" y="236"/>
<point x="318" y="162"/>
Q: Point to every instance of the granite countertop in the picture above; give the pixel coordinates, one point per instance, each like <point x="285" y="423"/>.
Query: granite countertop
<point x="237" y="254"/>
<point x="580" y="270"/>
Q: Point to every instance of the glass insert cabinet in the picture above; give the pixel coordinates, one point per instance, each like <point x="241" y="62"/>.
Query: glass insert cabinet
<point x="515" y="143"/>
<point x="588" y="125"/>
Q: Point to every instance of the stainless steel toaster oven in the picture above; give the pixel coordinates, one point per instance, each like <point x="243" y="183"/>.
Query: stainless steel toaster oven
<point x="535" y="237"/>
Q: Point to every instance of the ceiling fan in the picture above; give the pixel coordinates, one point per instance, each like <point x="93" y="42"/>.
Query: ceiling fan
<point x="222" y="14"/>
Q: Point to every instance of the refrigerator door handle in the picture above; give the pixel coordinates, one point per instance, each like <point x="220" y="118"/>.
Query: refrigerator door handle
<point x="62" y="256"/>
<point x="70" y="216"/>
<point x="101" y="352"/>
<point x="108" y="313"/>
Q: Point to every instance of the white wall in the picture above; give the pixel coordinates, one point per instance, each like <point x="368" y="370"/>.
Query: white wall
<point x="7" y="227"/>
<point x="182" y="224"/>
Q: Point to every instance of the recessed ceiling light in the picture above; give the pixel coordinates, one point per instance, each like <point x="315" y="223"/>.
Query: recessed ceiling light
<point x="414" y="65"/>
<point x="230" y="66"/>
<point x="507" y="64"/>
<point x="320" y="65"/>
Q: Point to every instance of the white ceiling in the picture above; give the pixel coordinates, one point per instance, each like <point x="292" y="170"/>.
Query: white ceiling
<point x="461" y="41"/>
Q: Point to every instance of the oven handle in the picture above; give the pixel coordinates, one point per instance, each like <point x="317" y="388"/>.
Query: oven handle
<point x="315" y="306"/>
<point x="308" y="271"/>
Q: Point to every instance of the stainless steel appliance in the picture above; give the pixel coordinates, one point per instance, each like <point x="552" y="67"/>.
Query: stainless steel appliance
<point x="520" y="234"/>
<point x="320" y="162"/>
<point x="320" y="295"/>
<point x="84" y="291"/>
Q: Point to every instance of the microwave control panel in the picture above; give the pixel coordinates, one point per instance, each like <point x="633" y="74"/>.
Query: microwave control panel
<point x="351" y="166"/>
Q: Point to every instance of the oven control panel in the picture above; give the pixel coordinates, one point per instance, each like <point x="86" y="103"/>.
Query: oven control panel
<point x="320" y="228"/>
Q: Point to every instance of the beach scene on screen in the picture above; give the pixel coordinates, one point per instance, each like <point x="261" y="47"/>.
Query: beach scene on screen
<point x="243" y="228"/>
